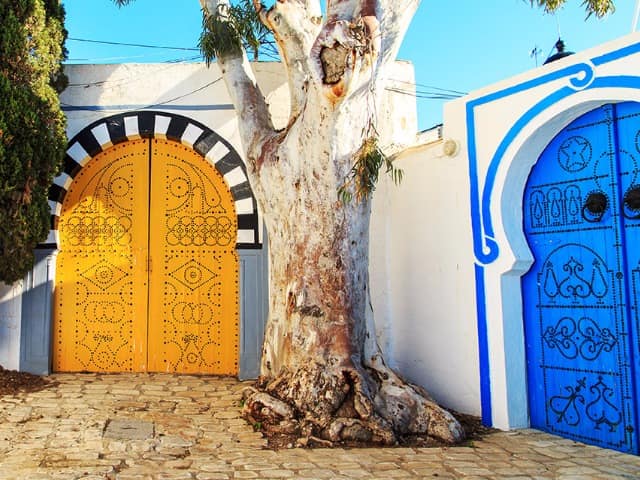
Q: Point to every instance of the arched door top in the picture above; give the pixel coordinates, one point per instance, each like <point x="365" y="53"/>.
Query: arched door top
<point x="147" y="274"/>
<point x="104" y="133"/>
<point x="580" y="296"/>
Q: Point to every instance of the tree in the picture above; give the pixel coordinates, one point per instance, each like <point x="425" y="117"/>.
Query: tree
<point x="32" y="126"/>
<point x="323" y="376"/>
<point x="599" y="8"/>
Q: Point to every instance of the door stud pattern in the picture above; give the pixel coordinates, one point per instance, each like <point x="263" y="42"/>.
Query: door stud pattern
<point x="580" y="305"/>
<point x="194" y="286"/>
<point x="98" y="288"/>
<point x="147" y="270"/>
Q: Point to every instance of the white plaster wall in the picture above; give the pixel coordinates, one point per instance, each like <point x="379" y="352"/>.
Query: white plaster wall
<point x="423" y="227"/>
<point x="188" y="89"/>
<point x="10" y="323"/>
<point x="398" y="116"/>
<point x="198" y="92"/>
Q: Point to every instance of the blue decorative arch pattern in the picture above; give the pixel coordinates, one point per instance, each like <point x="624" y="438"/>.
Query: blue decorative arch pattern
<point x="109" y="131"/>
<point x="581" y="76"/>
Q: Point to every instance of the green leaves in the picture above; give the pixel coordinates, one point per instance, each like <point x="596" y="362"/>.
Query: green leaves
<point x="252" y="31"/>
<point x="363" y="176"/>
<point x="599" y="8"/>
<point x="229" y="29"/>
<point x="220" y="35"/>
<point x="32" y="126"/>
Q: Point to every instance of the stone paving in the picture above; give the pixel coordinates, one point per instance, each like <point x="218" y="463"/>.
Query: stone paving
<point x="162" y="426"/>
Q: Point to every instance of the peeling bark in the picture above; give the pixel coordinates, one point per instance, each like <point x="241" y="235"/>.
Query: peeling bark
<point x="334" y="63"/>
<point x="323" y="376"/>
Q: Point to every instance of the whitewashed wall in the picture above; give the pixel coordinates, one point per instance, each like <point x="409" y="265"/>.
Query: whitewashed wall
<point x="198" y="92"/>
<point x="10" y="323"/>
<point x="443" y="280"/>
<point x="422" y="276"/>
<point x="189" y="89"/>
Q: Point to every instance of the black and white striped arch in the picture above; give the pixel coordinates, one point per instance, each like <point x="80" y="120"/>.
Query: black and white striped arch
<point x="109" y="131"/>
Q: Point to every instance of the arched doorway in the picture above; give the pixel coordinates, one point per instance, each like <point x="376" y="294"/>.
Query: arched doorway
<point x="581" y="297"/>
<point x="147" y="272"/>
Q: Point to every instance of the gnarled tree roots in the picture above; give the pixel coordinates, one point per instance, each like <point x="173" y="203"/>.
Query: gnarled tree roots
<point x="325" y="406"/>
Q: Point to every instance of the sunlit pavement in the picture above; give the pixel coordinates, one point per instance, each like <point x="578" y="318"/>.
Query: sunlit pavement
<point x="163" y="426"/>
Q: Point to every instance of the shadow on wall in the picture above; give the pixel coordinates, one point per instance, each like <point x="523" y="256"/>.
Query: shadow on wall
<point x="193" y="90"/>
<point x="25" y="312"/>
<point x="35" y="337"/>
<point x="10" y="313"/>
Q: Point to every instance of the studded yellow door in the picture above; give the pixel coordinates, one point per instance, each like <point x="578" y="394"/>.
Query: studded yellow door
<point x="147" y="273"/>
<point x="193" y="321"/>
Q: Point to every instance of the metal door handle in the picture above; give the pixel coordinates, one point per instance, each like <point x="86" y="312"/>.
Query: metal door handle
<point x="632" y="202"/>
<point x="596" y="204"/>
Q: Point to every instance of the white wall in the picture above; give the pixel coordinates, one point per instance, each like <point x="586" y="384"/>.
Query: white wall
<point x="188" y="89"/>
<point x="429" y="307"/>
<point x="10" y="323"/>
<point x="198" y="92"/>
<point x="438" y="237"/>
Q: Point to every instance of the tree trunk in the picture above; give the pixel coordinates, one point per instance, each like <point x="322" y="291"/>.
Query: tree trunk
<point x="323" y="376"/>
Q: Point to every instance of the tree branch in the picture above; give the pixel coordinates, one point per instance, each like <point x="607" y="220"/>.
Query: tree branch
<point x="295" y="25"/>
<point x="253" y="113"/>
<point x="341" y="9"/>
<point x="347" y="49"/>
<point x="395" y="16"/>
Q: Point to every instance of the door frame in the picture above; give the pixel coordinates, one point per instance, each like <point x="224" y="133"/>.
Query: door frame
<point x="498" y="175"/>
<point x="109" y="131"/>
<point x="106" y="132"/>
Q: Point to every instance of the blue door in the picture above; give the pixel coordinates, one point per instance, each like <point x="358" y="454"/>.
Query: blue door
<point x="582" y="222"/>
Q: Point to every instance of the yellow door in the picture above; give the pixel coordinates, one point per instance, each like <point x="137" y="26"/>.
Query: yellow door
<point x="193" y="297"/>
<point x="147" y="273"/>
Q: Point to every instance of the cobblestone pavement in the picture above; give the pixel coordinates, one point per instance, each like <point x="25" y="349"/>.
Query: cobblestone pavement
<point x="162" y="426"/>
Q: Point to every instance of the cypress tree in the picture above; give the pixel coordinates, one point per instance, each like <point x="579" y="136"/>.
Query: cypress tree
<point x="32" y="126"/>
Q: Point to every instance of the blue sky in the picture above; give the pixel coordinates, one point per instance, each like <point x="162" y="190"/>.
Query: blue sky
<point x="456" y="45"/>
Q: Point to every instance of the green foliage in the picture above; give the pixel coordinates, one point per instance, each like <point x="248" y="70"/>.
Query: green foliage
<point x="228" y="30"/>
<point x="252" y="31"/>
<point x="599" y="8"/>
<point x="32" y="126"/>
<point x="363" y="176"/>
<point x="220" y="35"/>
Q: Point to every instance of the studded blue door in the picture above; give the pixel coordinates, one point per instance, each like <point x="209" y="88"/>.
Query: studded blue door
<point x="582" y="221"/>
